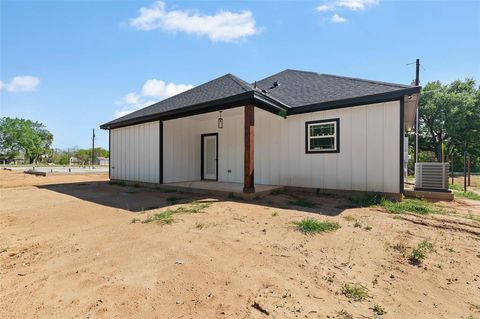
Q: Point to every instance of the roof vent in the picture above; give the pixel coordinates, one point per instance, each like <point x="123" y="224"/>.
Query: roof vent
<point x="275" y="84"/>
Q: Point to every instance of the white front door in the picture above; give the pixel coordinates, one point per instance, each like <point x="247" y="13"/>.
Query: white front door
<point x="209" y="147"/>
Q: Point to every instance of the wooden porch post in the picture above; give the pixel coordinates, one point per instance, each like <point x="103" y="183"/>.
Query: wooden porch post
<point x="249" y="167"/>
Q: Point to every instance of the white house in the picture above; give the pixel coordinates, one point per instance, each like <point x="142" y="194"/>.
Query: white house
<point x="294" y="128"/>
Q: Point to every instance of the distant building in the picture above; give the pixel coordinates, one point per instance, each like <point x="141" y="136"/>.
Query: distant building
<point x="103" y="160"/>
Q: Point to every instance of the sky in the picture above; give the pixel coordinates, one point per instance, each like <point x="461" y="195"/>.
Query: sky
<point x="74" y="65"/>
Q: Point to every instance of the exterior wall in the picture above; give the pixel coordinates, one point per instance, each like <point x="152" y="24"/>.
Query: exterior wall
<point x="134" y="153"/>
<point x="182" y="146"/>
<point x="369" y="157"/>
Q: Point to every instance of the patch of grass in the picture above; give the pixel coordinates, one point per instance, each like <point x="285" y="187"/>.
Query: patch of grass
<point x="312" y="226"/>
<point x="456" y="187"/>
<point x="303" y="203"/>
<point x="195" y="207"/>
<point x="419" y="253"/>
<point x="416" y="206"/>
<point x="164" y="218"/>
<point x="473" y="217"/>
<point x="355" y="291"/>
<point x="365" y="201"/>
<point x="467" y="194"/>
<point x="378" y="310"/>
<point x="451" y="250"/>
<point x="349" y="218"/>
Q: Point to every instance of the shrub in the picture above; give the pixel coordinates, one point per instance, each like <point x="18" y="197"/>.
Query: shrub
<point x="312" y="226"/>
<point x="419" y="253"/>
<point x="355" y="291"/>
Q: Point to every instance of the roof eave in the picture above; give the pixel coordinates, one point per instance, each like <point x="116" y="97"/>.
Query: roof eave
<point x="250" y="97"/>
<point x="361" y="100"/>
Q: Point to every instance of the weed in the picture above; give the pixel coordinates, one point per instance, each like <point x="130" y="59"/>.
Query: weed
<point x="416" y="206"/>
<point x="451" y="250"/>
<point x="274" y="214"/>
<point x="355" y="291"/>
<point x="349" y="218"/>
<point x="312" y="226"/>
<point x="134" y="220"/>
<point x="200" y="226"/>
<point x="164" y="218"/>
<point x="378" y="310"/>
<point x="195" y="207"/>
<point x="344" y="315"/>
<point x="467" y="194"/>
<point x="303" y="203"/>
<point x="419" y="253"/>
<point x="357" y="224"/>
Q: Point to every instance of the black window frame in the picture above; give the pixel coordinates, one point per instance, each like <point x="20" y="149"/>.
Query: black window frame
<point x="337" y="136"/>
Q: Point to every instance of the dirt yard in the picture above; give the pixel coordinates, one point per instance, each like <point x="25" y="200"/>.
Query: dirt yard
<point x="75" y="247"/>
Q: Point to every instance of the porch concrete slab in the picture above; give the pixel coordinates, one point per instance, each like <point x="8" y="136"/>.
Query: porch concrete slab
<point x="221" y="188"/>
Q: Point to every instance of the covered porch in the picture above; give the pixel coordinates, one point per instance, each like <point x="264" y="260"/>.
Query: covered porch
<point x="221" y="188"/>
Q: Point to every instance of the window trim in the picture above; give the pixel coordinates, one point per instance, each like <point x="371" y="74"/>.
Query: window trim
<point x="337" y="136"/>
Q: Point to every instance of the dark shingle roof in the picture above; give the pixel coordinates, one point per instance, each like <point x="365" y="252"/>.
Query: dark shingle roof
<point x="294" y="90"/>
<point x="300" y="88"/>
<point x="222" y="87"/>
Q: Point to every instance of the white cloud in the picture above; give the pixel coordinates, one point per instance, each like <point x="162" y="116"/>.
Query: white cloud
<point x="151" y="89"/>
<point x="160" y="89"/>
<point x="335" y="6"/>
<point x="337" y="19"/>
<point x="21" y="83"/>
<point x="224" y="26"/>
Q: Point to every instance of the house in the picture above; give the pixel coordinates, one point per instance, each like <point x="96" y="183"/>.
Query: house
<point x="102" y="161"/>
<point x="295" y="128"/>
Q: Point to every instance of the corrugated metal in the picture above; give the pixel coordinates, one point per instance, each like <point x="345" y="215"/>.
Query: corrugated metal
<point x="369" y="158"/>
<point x="135" y="153"/>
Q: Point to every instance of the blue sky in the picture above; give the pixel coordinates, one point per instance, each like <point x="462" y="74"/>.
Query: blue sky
<point x="74" y="65"/>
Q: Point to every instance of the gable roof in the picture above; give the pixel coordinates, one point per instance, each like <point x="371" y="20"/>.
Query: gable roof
<point x="295" y="92"/>
<point x="300" y="88"/>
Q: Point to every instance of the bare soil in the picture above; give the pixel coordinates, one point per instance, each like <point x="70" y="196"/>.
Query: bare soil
<point x="69" y="249"/>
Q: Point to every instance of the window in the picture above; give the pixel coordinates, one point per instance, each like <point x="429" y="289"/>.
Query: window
<point x="322" y="136"/>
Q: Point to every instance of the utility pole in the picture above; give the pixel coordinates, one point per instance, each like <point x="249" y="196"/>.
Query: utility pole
<point x="417" y="83"/>
<point x="93" y="146"/>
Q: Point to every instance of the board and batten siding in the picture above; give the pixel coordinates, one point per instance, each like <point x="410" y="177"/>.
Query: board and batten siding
<point x="134" y="153"/>
<point x="182" y="146"/>
<point x="369" y="157"/>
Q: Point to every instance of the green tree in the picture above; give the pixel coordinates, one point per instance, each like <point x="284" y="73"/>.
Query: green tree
<point x="450" y="114"/>
<point x="24" y="136"/>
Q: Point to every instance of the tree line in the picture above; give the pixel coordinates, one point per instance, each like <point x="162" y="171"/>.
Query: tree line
<point x="31" y="142"/>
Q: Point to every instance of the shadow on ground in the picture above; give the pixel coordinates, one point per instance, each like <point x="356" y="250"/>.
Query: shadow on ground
<point x="139" y="198"/>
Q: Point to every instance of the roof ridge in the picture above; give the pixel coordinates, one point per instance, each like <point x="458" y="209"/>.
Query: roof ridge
<point x="242" y="83"/>
<point x="366" y="80"/>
